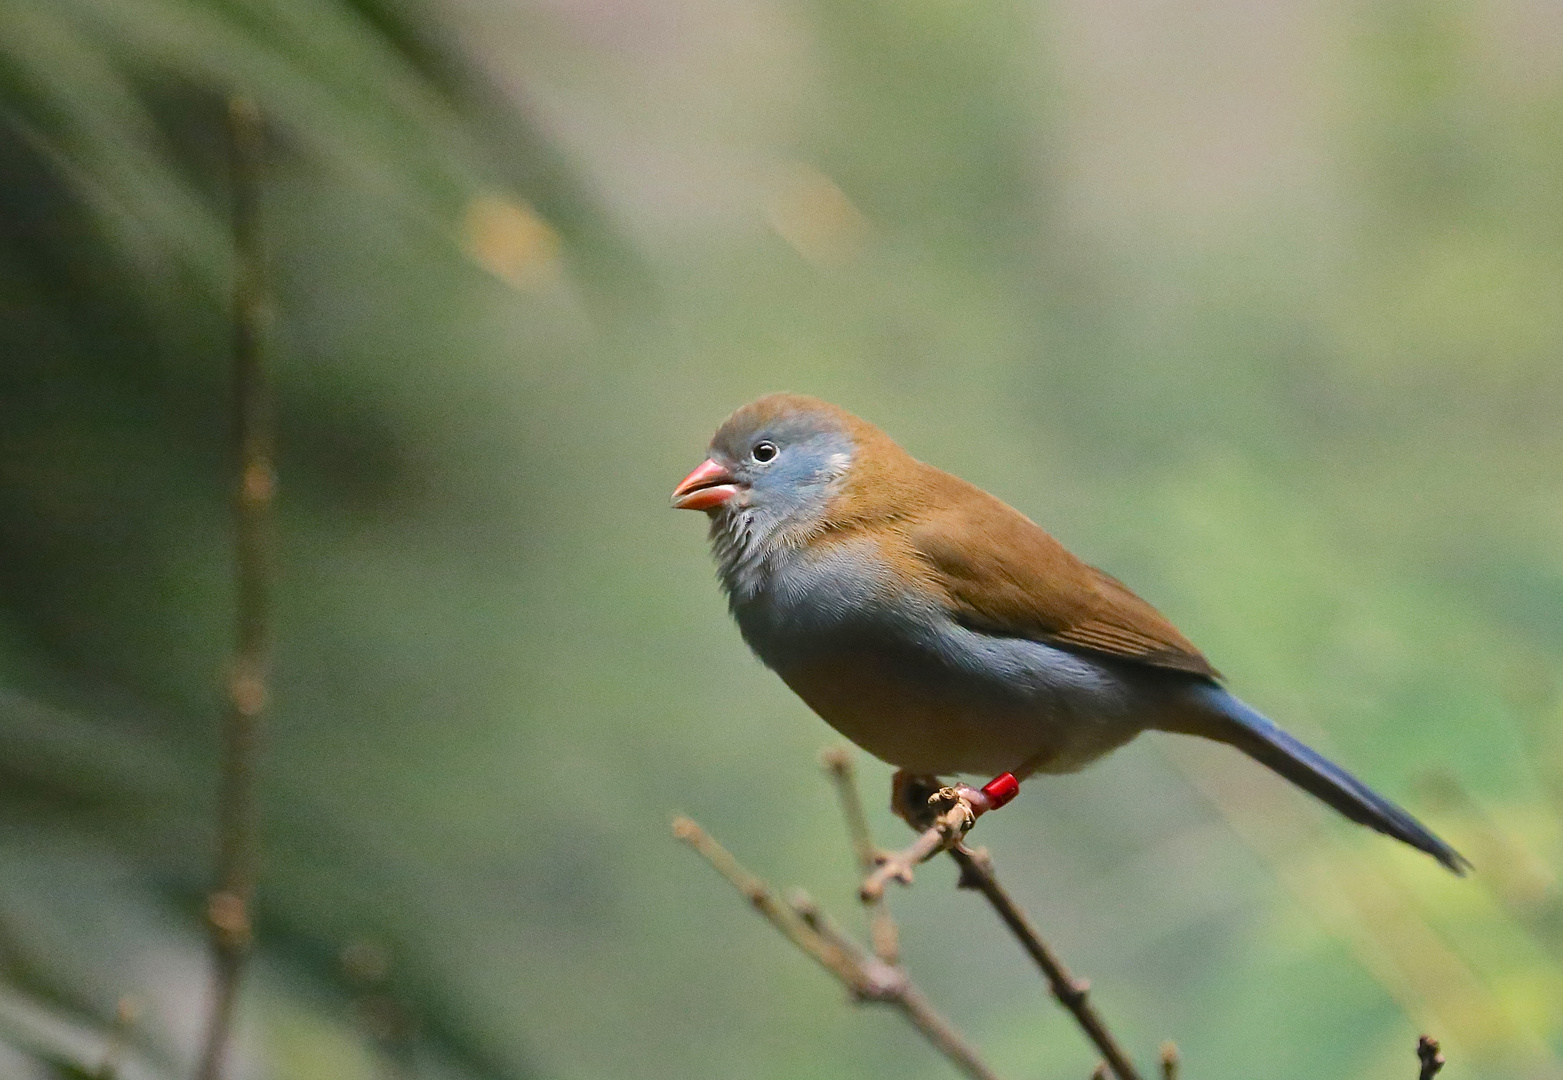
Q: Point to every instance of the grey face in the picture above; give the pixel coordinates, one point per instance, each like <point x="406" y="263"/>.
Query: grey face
<point x="788" y="465"/>
<point x="787" y="468"/>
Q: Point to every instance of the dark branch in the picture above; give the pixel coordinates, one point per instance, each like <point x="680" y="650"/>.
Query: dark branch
<point x="866" y="977"/>
<point x="1427" y="1053"/>
<point x="228" y="908"/>
<point x="1072" y="993"/>
<point x="924" y="805"/>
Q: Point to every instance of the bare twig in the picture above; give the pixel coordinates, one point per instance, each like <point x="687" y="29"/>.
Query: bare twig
<point x="901" y="991"/>
<point x="759" y="894"/>
<point x="228" y="908"/>
<point x="1072" y="993"/>
<point x="1427" y="1053"/>
<point x="882" y="930"/>
<point x="125" y="1012"/>
<point x="865" y="976"/>
<point x="1170" y="1061"/>
<point x="953" y="815"/>
<point x="945" y="815"/>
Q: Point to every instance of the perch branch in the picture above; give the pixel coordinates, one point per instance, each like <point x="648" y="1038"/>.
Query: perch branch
<point x="866" y="977"/>
<point x="1427" y="1053"/>
<point x="936" y="810"/>
<point x="953" y="811"/>
<point x="228" y="907"/>
<point x="1072" y="993"/>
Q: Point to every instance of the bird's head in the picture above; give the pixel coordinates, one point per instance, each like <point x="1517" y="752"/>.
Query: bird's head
<point x="777" y="461"/>
<point x="774" y="467"/>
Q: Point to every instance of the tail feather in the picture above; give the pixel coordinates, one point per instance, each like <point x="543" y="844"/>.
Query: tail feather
<point x="1251" y="732"/>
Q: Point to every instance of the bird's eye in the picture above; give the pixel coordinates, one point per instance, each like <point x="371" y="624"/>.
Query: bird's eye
<point x="764" y="451"/>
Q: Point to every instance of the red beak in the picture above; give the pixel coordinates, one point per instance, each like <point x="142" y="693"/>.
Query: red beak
<point x="708" y="487"/>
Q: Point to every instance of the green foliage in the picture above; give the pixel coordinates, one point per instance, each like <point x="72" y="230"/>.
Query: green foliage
<point x="1317" y="426"/>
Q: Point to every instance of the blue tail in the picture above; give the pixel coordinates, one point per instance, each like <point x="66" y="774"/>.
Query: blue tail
<point x="1245" y="728"/>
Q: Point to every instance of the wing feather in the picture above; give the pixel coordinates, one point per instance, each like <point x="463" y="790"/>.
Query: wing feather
<point x="1004" y="574"/>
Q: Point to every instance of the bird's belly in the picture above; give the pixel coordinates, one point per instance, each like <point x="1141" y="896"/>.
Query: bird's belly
<point x="920" y="713"/>
<point x="889" y="668"/>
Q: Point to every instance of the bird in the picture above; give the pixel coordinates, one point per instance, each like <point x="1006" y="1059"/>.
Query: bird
<point x="947" y="634"/>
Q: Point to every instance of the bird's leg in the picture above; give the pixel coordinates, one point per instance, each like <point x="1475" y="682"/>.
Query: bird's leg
<point x="992" y="795"/>
<point x="943" y="815"/>
<point x="914" y="798"/>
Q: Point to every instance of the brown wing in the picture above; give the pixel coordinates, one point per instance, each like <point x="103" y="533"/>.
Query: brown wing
<point x="1004" y="574"/>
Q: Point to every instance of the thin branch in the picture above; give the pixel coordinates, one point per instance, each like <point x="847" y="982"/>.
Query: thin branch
<point x="125" y="1013"/>
<point x="228" y="907"/>
<point x="902" y="992"/>
<point x="865" y="976"/>
<point x="917" y="799"/>
<point x="1427" y="1053"/>
<point x="1072" y="993"/>
<point x="759" y="894"/>
<point x="882" y="929"/>
<point x="953" y="811"/>
<point x="1170" y="1061"/>
<point x="838" y="766"/>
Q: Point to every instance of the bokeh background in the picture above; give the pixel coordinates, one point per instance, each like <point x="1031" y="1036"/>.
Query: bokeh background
<point x="1257" y="305"/>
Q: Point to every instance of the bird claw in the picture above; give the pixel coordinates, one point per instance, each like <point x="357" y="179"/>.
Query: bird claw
<point x="947" y="815"/>
<point x="942" y="815"/>
<point x="971" y="802"/>
<point x="952" y="811"/>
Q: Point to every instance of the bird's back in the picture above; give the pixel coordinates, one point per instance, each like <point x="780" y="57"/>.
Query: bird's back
<point x="994" y="569"/>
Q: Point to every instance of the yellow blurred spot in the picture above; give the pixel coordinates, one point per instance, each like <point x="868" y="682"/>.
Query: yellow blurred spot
<point x="811" y="213"/>
<point x="304" y="1046"/>
<point x="258" y="484"/>
<point x="512" y="242"/>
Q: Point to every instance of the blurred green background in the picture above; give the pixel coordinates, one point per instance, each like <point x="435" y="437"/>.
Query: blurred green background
<point x="1258" y="306"/>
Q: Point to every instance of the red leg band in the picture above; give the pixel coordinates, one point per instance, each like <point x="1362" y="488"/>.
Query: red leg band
<point x="1001" y="789"/>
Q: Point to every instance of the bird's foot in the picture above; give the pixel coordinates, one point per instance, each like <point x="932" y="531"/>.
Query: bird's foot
<point x="942" y="814"/>
<point x="919" y="799"/>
